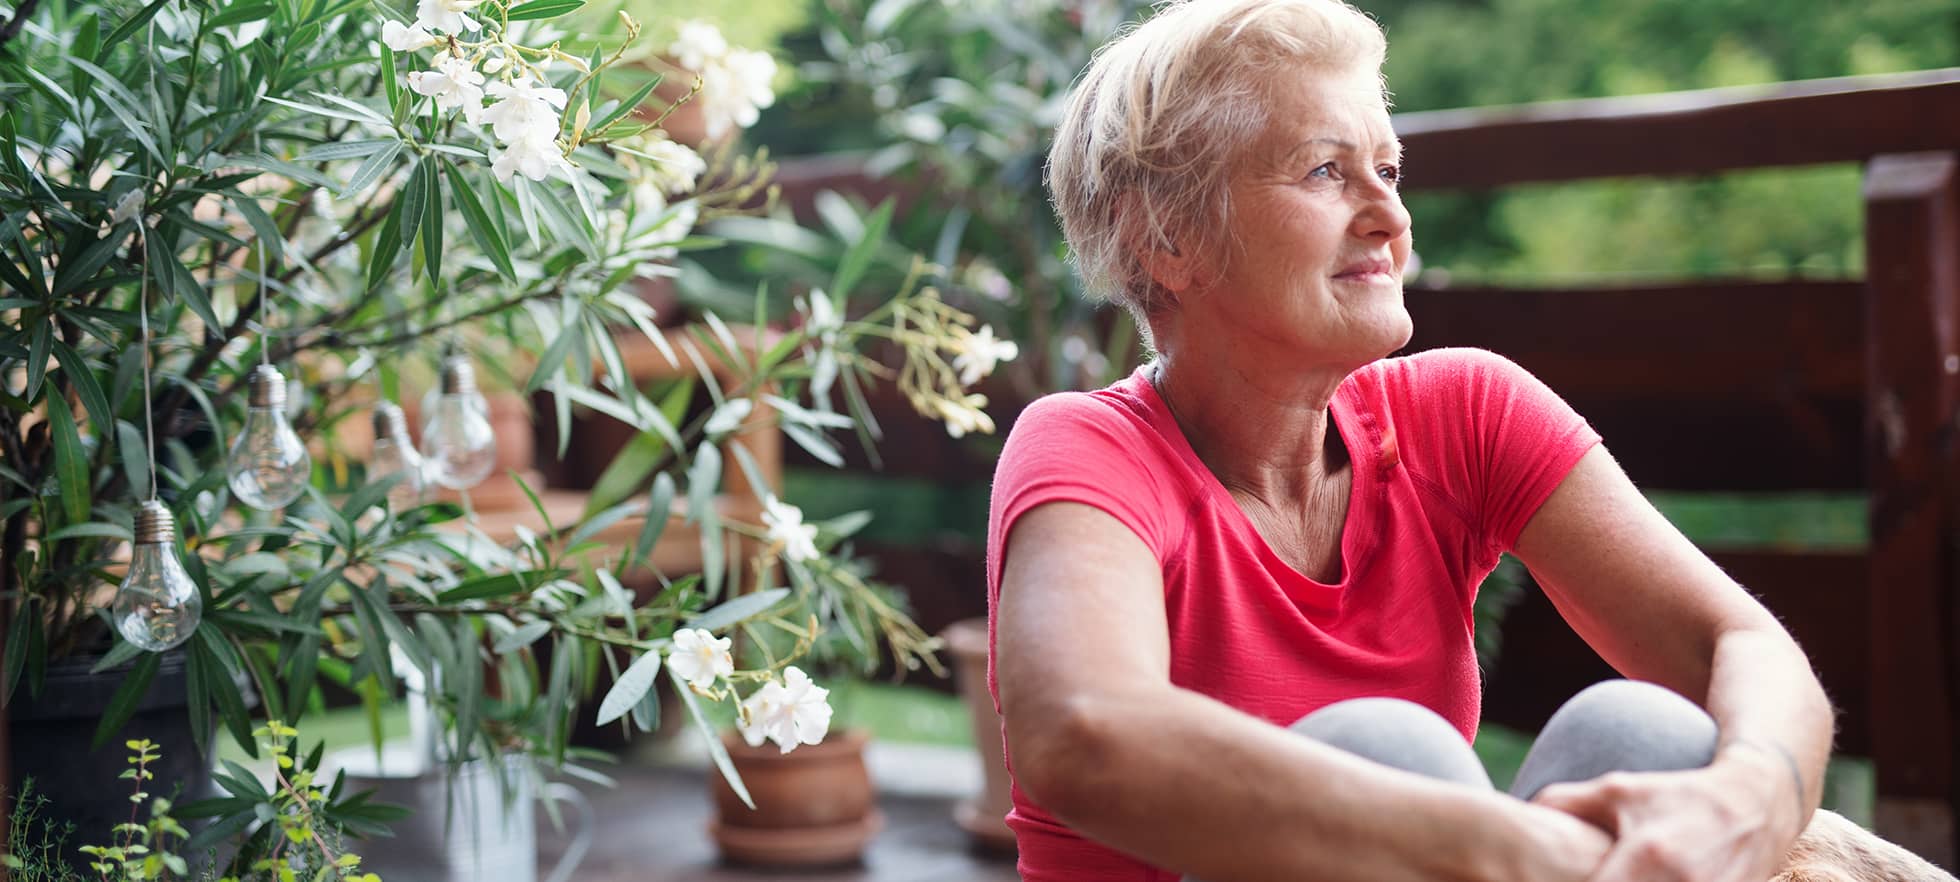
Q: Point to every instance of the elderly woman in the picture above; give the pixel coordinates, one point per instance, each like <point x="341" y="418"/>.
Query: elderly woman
<point x="1272" y="520"/>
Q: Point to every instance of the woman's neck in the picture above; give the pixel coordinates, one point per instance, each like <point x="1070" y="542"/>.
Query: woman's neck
<point x="1264" y="435"/>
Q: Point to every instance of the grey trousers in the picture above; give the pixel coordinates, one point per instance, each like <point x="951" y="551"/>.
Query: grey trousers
<point x="1614" y="726"/>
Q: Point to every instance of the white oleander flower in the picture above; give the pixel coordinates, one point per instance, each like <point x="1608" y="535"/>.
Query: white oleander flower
<point x="700" y="658"/>
<point x="786" y="525"/>
<point x="454" y="83"/>
<point x="245" y="34"/>
<point x="698" y="44"/>
<point x="534" y="157"/>
<point x="965" y="415"/>
<point x="447" y="16"/>
<point x="526" y="110"/>
<point x="728" y="417"/>
<point x="675" y="166"/>
<point x="734" y="89"/>
<point x="674" y="225"/>
<point x="795" y="711"/>
<point x="407" y="38"/>
<point x="978" y="354"/>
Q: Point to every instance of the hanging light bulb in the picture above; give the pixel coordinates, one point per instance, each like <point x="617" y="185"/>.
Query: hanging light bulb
<point x="394" y="455"/>
<point x="157" y="606"/>
<point x="269" y="465"/>
<point x="457" y="440"/>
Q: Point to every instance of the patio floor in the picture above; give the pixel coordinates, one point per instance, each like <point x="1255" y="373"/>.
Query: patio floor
<point x="653" y="828"/>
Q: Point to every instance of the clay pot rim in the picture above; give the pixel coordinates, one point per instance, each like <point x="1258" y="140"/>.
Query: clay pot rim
<point x="838" y="743"/>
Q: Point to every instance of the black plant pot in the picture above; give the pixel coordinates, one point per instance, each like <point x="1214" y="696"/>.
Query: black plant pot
<point x="49" y="736"/>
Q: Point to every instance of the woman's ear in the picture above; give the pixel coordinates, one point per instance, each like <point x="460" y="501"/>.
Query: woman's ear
<point x="1173" y="269"/>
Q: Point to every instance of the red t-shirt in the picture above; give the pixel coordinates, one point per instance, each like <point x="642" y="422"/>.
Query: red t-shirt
<point x="1452" y="450"/>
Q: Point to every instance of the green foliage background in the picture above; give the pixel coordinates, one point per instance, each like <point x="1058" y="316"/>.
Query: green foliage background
<point x="1460" y="53"/>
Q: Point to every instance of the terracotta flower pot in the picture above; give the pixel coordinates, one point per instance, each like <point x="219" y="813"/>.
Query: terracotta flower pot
<point x="814" y="806"/>
<point x="984" y="815"/>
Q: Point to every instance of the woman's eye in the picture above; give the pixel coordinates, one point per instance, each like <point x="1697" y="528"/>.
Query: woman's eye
<point x="1391" y="173"/>
<point x="1324" y="171"/>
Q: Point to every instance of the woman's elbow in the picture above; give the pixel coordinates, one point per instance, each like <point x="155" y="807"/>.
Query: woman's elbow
<point x="1061" y="748"/>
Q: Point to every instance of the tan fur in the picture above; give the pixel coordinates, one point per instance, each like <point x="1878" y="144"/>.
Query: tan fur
<point x="1833" y="849"/>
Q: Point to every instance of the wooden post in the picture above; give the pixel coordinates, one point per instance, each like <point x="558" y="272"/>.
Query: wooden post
<point x="1912" y="308"/>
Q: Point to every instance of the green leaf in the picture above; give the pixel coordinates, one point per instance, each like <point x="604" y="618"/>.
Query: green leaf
<point x="134" y="454"/>
<point x="432" y="221"/>
<point x="391" y="80"/>
<point x="174" y="278"/>
<point x="537" y="9"/>
<point x="483" y="588"/>
<point x="68" y="278"/>
<point x="525" y="635"/>
<point x="123" y="704"/>
<point x="627" y="471"/>
<point x="371" y="170"/>
<point x="344" y="149"/>
<point x="16" y="652"/>
<point x="851" y="269"/>
<point x="240" y="14"/>
<point x="387" y="244"/>
<point x="37" y="359"/>
<point x="122" y="652"/>
<point x="200" y="700"/>
<point x="735" y="611"/>
<point x="660" y="504"/>
<point x="414" y="202"/>
<point x="716" y="749"/>
<point x="128" y="27"/>
<point x="94" y="529"/>
<point x="627" y="106"/>
<point x="70" y="461"/>
<point x="86" y="386"/>
<point x="598" y="523"/>
<point x="632" y="684"/>
<point x="488" y="238"/>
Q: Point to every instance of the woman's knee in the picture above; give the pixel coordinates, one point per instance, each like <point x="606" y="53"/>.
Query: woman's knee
<point x="1396" y="733"/>
<point x="1618" y="726"/>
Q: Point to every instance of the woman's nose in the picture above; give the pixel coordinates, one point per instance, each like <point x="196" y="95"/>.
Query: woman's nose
<point x="1381" y="213"/>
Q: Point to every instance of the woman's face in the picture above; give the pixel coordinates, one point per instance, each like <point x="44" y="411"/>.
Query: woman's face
<point x="1312" y="271"/>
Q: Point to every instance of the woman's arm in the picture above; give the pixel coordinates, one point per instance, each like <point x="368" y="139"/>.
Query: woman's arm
<point x="1100" y="738"/>
<point x="1657" y="609"/>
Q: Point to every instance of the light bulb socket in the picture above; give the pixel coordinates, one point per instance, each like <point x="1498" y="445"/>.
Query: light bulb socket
<point x="268" y="388"/>
<point x="154" y="524"/>
<point x="388" y="421"/>
<point x="458" y="376"/>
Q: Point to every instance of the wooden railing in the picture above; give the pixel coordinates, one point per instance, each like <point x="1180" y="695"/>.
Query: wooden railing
<point x="1763" y="386"/>
<point x="1710" y="385"/>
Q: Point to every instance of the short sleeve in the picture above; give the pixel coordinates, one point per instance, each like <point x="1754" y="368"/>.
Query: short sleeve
<point x="1527" y="439"/>
<point x="1077" y="447"/>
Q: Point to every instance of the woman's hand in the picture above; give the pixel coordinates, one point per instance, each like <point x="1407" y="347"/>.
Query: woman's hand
<point x="1730" y="822"/>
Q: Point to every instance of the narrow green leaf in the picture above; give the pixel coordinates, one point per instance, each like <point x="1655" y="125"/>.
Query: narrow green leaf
<point x="488" y="237"/>
<point x="703" y="477"/>
<point x="344" y="149"/>
<point x="240" y="14"/>
<point x="813" y="443"/>
<point x="69" y="278"/>
<point x="627" y="106"/>
<point x="500" y="585"/>
<point x="200" y="699"/>
<point x="134" y="454"/>
<point x="858" y="259"/>
<point x="632" y="684"/>
<point x="91" y="529"/>
<point x="391" y="80"/>
<point x="86" y="386"/>
<point x="537" y="9"/>
<point x="432" y="221"/>
<point x="387" y="244"/>
<point x="117" y="655"/>
<point x="70" y="461"/>
<point x="716" y="749"/>
<point x="735" y="611"/>
<point x="16" y="652"/>
<point x="123" y="704"/>
<point x="628" y="470"/>
<point x="414" y="199"/>
<point x="37" y="359"/>
<point x="370" y="170"/>
<point x="525" y="635"/>
<point x="660" y="503"/>
<point x="128" y="27"/>
<point x="173" y="277"/>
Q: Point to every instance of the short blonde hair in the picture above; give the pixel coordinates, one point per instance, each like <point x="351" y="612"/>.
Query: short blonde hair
<point x="1143" y="154"/>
